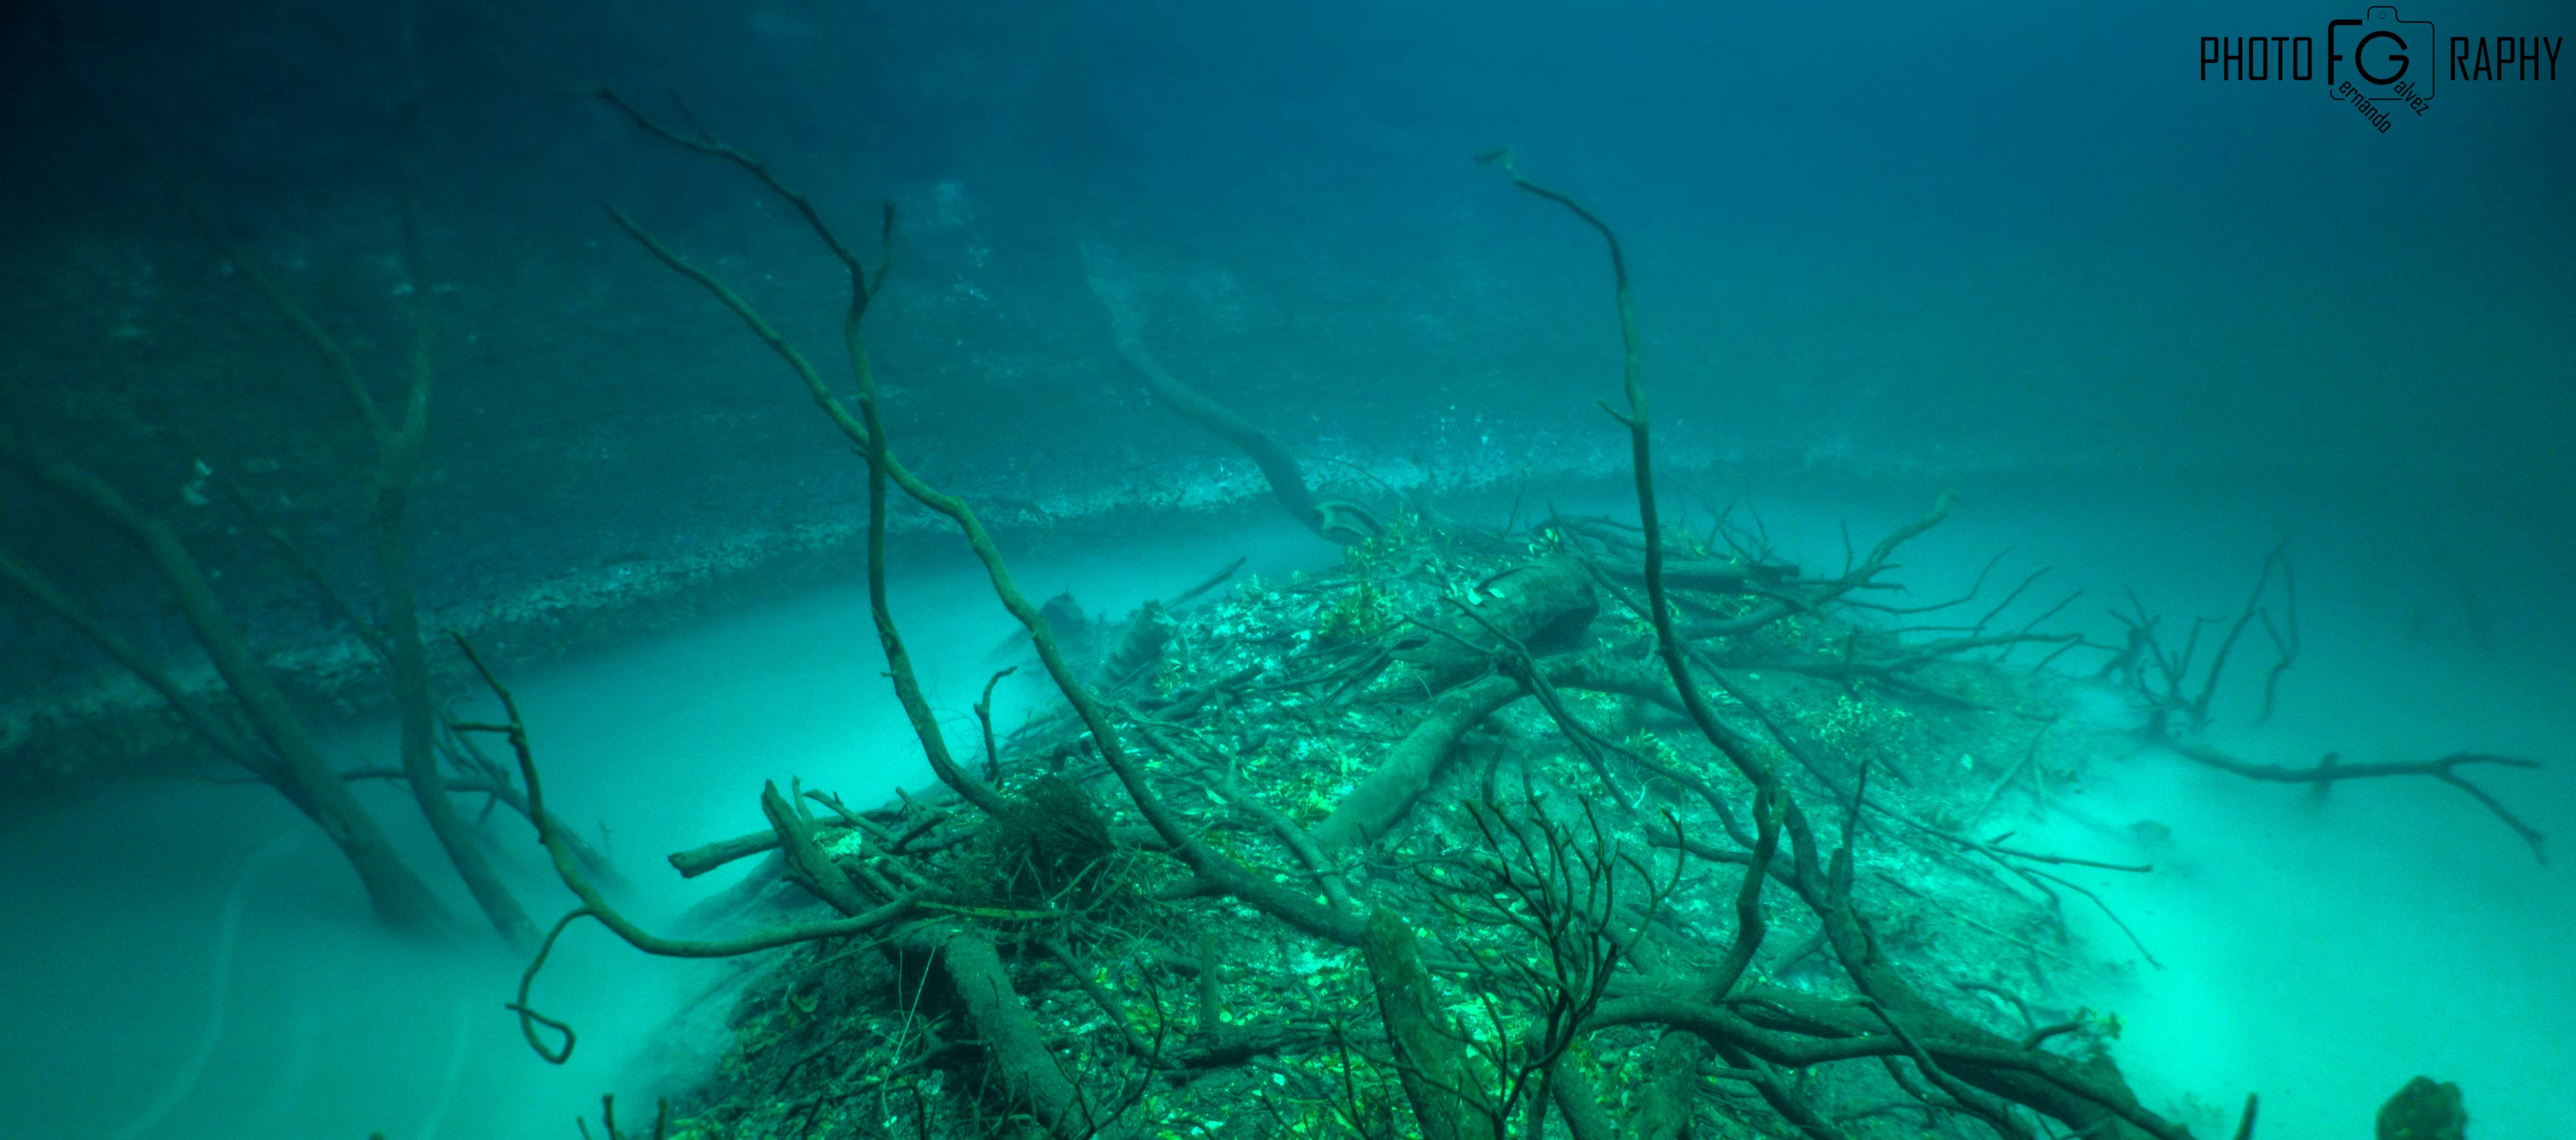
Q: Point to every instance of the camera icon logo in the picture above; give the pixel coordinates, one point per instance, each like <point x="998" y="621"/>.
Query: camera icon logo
<point x="2381" y="57"/>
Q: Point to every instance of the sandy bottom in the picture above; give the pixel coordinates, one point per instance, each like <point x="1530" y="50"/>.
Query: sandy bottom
<point x="191" y="961"/>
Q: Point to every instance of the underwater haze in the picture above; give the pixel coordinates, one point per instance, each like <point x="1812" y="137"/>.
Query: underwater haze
<point x="1330" y="570"/>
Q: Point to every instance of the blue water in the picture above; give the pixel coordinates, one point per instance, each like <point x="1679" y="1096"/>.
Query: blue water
<point x="2153" y="322"/>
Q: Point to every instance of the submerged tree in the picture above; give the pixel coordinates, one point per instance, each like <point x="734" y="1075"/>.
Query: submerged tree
<point x="1578" y="951"/>
<point x="248" y="718"/>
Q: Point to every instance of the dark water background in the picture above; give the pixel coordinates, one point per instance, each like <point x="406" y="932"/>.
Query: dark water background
<point x="1891" y="236"/>
<point x="1880" y="249"/>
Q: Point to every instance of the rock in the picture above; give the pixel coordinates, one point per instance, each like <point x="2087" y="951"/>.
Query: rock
<point x="2425" y="1109"/>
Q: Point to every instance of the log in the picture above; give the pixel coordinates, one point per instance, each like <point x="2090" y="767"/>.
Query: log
<point x="1386" y="795"/>
<point x="1543" y="605"/>
<point x="1429" y="1061"/>
<point x="1015" y="1050"/>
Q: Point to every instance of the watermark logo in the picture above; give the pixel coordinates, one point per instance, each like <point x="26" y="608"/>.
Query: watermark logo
<point x="2377" y="53"/>
<point x="2381" y="65"/>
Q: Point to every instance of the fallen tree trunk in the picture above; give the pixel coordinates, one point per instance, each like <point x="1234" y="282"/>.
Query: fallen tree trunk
<point x="1539" y="606"/>
<point x="1386" y="795"/>
<point x="1429" y="1061"/>
<point x="1015" y="1051"/>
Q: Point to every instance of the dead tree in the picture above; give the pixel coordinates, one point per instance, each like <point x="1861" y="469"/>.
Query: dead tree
<point x="2177" y="707"/>
<point x="269" y="739"/>
<point x="280" y="750"/>
<point x="979" y="980"/>
<point x="1338" y="520"/>
<point x="1747" y="1026"/>
<point x="2163" y="676"/>
<point x="1600" y="966"/>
